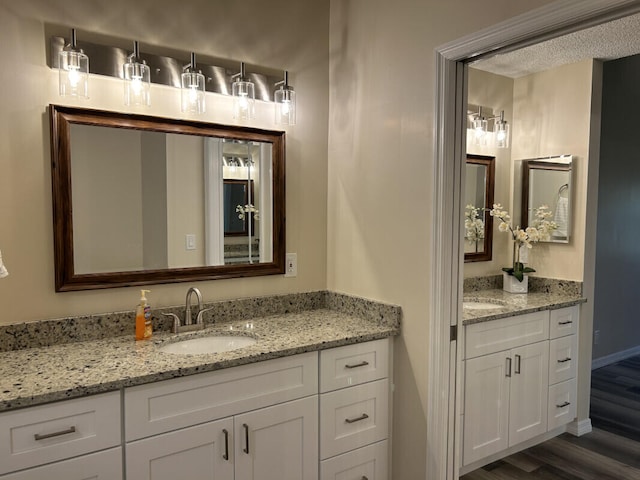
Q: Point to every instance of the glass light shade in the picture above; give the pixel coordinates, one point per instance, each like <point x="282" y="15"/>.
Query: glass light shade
<point x="285" y="103"/>
<point x="137" y="84"/>
<point x="73" y="73"/>
<point x="480" y="131"/>
<point x="502" y="134"/>
<point x="243" y="100"/>
<point x="192" y="92"/>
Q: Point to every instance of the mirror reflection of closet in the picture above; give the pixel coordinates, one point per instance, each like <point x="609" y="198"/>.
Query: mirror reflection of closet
<point x="478" y="198"/>
<point x="548" y="182"/>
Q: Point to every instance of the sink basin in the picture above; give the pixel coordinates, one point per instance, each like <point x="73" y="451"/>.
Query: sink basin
<point x="212" y="344"/>
<point x="482" y="304"/>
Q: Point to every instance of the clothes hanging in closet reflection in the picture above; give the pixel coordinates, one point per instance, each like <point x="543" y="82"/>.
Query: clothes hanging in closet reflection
<point x="561" y="215"/>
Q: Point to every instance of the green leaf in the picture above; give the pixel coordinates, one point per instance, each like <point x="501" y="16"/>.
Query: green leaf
<point x="528" y="270"/>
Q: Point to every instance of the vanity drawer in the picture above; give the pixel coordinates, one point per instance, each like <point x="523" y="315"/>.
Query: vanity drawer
<point x="503" y="334"/>
<point x="105" y="465"/>
<point x="369" y="462"/>
<point x="181" y="402"/>
<point x="353" y="364"/>
<point x="48" y="433"/>
<point x="562" y="403"/>
<point x="353" y="417"/>
<point x="564" y="321"/>
<point x="563" y="358"/>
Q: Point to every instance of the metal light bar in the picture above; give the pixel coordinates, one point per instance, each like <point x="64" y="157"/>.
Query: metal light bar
<point x="107" y="60"/>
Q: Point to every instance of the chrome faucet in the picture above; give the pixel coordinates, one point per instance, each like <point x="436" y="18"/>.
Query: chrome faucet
<point x="188" y="319"/>
<point x="189" y="325"/>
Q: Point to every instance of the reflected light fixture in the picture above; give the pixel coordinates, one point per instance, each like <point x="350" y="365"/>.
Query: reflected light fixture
<point x="502" y="131"/>
<point x="285" y="102"/>
<point x="243" y="92"/>
<point x="192" y="93"/>
<point x="73" y="70"/>
<point x="479" y="126"/>
<point x="137" y="80"/>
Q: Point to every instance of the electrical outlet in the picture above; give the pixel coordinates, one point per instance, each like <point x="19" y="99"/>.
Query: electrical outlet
<point x="596" y="337"/>
<point x="291" y="267"/>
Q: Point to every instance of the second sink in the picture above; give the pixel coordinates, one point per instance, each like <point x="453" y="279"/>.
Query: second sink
<point x="211" y="344"/>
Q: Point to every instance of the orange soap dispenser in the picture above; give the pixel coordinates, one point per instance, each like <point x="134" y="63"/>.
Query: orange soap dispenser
<point x="143" y="318"/>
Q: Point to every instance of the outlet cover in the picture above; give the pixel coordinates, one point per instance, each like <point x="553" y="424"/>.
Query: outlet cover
<point x="291" y="266"/>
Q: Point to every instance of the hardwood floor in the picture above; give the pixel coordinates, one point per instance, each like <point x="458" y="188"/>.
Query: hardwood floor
<point x="615" y="398"/>
<point x="599" y="455"/>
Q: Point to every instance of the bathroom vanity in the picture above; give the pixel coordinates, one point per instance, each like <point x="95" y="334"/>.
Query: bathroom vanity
<point x="519" y="383"/>
<point x="309" y="400"/>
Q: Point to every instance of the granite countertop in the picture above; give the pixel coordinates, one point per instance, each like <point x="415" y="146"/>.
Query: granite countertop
<point x="510" y="304"/>
<point x="35" y="376"/>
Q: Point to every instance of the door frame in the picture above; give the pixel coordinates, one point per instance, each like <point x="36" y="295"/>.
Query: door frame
<point x="550" y="21"/>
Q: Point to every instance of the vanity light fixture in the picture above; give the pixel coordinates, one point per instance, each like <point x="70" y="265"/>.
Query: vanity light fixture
<point x="502" y="131"/>
<point x="285" y="102"/>
<point x="192" y="92"/>
<point x="479" y="126"/>
<point x="137" y="80"/>
<point x="73" y="70"/>
<point x="243" y="91"/>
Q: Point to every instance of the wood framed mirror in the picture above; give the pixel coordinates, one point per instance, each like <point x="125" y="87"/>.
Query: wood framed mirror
<point x="139" y="199"/>
<point x="547" y="181"/>
<point x="478" y="198"/>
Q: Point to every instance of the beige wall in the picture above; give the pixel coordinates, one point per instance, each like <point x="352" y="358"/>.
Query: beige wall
<point x="380" y="174"/>
<point x="552" y="114"/>
<point x="247" y="30"/>
<point x="495" y="92"/>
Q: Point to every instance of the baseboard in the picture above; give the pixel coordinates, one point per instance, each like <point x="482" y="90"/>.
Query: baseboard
<point x="614" y="357"/>
<point x="579" y="428"/>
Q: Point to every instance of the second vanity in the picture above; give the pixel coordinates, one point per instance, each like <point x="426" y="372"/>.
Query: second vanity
<point x="310" y="399"/>
<point x="520" y="358"/>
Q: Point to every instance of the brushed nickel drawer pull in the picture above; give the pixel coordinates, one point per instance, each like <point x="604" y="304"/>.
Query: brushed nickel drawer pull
<point x="364" y="363"/>
<point x="567" y="322"/>
<point x="364" y="416"/>
<point x="226" y="444"/>
<point x="246" y="438"/>
<point x="508" y="370"/>
<point x="69" y="430"/>
<point x="518" y="362"/>
<point x="565" y="404"/>
<point x="565" y="360"/>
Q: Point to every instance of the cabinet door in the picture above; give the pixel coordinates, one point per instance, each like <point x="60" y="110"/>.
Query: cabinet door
<point x="279" y="442"/>
<point x="486" y="405"/>
<point x="203" y="452"/>
<point x="529" y="392"/>
<point x="370" y="462"/>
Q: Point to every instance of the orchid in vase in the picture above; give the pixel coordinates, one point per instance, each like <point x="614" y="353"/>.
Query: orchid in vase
<point x="540" y="229"/>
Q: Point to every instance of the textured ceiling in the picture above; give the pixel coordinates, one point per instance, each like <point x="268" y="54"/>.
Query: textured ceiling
<point x="616" y="39"/>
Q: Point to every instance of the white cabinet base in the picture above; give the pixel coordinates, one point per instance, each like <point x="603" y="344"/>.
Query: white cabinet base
<point x="368" y="462"/>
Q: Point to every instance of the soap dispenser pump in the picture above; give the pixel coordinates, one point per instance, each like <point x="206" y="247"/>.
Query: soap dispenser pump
<point x="144" y="328"/>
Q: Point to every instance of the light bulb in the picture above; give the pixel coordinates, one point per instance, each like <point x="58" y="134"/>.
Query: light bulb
<point x="193" y="94"/>
<point x="284" y="109"/>
<point x="242" y="101"/>
<point x="74" y="76"/>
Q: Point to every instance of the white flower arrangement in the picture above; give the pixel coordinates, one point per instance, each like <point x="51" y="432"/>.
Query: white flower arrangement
<point x="540" y="229"/>
<point x="243" y="210"/>
<point x="473" y="224"/>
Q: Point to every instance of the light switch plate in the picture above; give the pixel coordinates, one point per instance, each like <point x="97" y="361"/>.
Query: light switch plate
<point x="291" y="267"/>
<point x="190" y="241"/>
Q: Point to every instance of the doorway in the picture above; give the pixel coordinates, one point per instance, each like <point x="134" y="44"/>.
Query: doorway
<point x="444" y="377"/>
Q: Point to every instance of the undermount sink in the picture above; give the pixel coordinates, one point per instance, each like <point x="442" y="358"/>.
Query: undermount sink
<point x="482" y="304"/>
<point x="210" y="344"/>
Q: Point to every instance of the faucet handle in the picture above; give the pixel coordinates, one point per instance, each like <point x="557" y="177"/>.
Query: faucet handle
<point x="199" y="319"/>
<point x="176" y="321"/>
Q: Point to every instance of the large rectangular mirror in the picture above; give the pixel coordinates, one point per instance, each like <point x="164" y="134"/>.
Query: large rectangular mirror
<point x="140" y="199"/>
<point x="478" y="198"/>
<point x="547" y="182"/>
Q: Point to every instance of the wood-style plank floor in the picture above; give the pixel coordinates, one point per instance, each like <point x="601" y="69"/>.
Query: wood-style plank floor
<point x="615" y="398"/>
<point x="599" y="455"/>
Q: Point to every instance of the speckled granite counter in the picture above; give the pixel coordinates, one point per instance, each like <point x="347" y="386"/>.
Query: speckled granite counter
<point x="39" y="375"/>
<point x="510" y="304"/>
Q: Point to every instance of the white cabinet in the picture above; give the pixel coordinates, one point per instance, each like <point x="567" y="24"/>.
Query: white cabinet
<point x="519" y="380"/>
<point x="261" y="423"/>
<point x="279" y="442"/>
<point x="45" y="434"/>
<point x="354" y="411"/>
